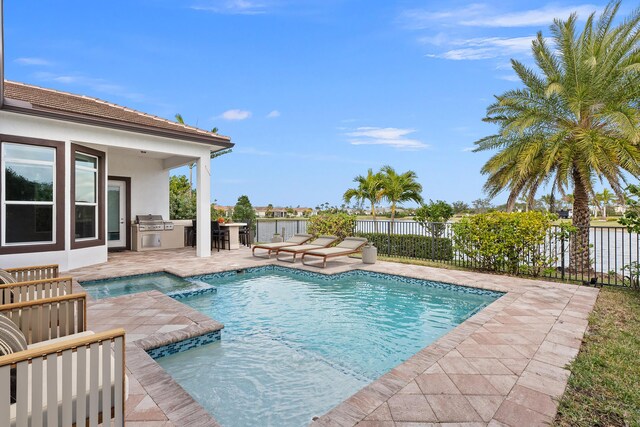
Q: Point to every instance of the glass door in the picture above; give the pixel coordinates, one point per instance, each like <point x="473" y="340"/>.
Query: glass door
<point x="116" y="214"/>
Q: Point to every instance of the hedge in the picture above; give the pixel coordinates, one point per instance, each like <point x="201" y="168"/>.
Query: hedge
<point x="411" y="246"/>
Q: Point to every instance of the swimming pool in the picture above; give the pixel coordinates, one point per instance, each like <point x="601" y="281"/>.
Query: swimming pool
<point x="118" y="286"/>
<point x="295" y="344"/>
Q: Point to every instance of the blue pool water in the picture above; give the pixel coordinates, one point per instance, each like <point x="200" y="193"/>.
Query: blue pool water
<point x="163" y="282"/>
<point x="295" y="346"/>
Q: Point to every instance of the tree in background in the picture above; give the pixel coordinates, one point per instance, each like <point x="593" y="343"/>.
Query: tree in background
<point x="604" y="199"/>
<point x="481" y="205"/>
<point x="460" y="207"/>
<point x="182" y="200"/>
<point x="631" y="217"/>
<point x="369" y="189"/>
<point x="243" y="211"/>
<point x="549" y="202"/>
<point x="575" y="121"/>
<point x="268" y="213"/>
<point x="433" y="216"/>
<point x="399" y="188"/>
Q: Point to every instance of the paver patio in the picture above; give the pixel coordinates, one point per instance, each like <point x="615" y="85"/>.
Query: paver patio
<point x="504" y="366"/>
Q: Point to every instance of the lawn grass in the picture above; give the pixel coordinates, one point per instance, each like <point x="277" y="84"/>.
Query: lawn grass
<point x="604" y="387"/>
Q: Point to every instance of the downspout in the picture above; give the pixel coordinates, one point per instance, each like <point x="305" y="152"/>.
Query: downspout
<point x="1" y="54"/>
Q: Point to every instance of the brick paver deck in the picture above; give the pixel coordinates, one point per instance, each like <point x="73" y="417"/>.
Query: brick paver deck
<point x="504" y="366"/>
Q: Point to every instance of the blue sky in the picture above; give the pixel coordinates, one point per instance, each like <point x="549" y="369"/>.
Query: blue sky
<point x="313" y="92"/>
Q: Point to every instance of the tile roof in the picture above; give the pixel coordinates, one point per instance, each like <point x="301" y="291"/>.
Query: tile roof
<point x="51" y="100"/>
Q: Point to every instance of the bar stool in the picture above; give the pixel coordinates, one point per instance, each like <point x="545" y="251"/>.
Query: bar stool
<point x="219" y="236"/>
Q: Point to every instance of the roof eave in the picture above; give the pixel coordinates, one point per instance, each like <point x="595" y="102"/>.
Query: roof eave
<point x="218" y="143"/>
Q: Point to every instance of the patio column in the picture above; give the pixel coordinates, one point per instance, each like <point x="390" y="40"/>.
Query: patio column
<point x="203" y="216"/>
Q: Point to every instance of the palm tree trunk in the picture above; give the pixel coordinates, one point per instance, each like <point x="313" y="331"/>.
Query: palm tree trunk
<point x="373" y="214"/>
<point x="579" y="257"/>
<point x="393" y="217"/>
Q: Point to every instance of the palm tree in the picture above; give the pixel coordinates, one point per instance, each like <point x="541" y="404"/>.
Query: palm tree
<point x="549" y="201"/>
<point x="604" y="199"/>
<point x="180" y="120"/>
<point x="399" y="188"/>
<point x="576" y="119"/>
<point x="369" y="189"/>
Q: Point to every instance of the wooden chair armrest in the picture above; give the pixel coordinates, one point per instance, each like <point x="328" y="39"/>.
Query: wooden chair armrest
<point x="34" y="272"/>
<point x="37" y="281"/>
<point x="47" y="318"/>
<point x="53" y="349"/>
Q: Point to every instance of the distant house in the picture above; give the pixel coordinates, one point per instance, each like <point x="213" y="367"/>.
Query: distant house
<point x="279" y="212"/>
<point x="76" y="170"/>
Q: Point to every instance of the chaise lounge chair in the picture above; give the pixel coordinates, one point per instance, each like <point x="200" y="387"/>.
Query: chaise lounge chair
<point x="348" y="246"/>
<point x="66" y="375"/>
<point x="319" y="243"/>
<point x="297" y="239"/>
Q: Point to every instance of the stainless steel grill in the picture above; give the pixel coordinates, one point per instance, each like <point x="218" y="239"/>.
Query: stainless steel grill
<point x="153" y="223"/>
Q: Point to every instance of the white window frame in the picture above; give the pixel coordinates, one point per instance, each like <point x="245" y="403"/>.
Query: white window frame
<point x="3" y="193"/>
<point x="95" y="204"/>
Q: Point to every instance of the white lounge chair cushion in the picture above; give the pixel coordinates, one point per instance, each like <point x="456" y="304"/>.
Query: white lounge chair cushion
<point x="301" y="248"/>
<point x="74" y="385"/>
<point x="12" y="339"/>
<point x="352" y="242"/>
<point x="276" y="245"/>
<point x="6" y="278"/>
<point x="330" y="251"/>
<point x="299" y="238"/>
<point x="324" y="241"/>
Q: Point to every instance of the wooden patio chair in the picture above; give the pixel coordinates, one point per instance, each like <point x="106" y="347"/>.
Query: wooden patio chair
<point x="295" y="240"/>
<point x="320" y="242"/>
<point x="20" y="291"/>
<point x="66" y="375"/>
<point x="36" y="272"/>
<point x="349" y="246"/>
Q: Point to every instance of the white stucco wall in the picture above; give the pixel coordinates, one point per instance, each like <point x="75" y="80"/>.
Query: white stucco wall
<point x="149" y="174"/>
<point x="149" y="182"/>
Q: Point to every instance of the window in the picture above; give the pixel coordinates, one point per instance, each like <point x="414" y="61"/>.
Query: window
<point x="88" y="197"/>
<point x="32" y="212"/>
<point x="86" y="209"/>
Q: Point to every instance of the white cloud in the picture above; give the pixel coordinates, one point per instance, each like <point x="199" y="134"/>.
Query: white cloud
<point x="530" y="18"/>
<point x="468" y="149"/>
<point x="235" y="115"/>
<point x="273" y="114"/>
<point x="485" y="15"/>
<point x="392" y="137"/>
<point x="486" y="48"/>
<point x="31" y="61"/>
<point x="232" y="7"/>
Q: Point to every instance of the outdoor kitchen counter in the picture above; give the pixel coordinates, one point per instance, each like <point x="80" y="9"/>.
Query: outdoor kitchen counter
<point x="234" y="233"/>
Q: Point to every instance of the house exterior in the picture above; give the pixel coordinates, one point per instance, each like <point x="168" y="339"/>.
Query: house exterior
<point x="279" y="212"/>
<point x="75" y="171"/>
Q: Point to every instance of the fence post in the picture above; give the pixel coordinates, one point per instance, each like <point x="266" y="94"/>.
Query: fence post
<point x="388" y="238"/>
<point x="275" y="230"/>
<point x="257" y="233"/>
<point x="297" y="226"/>
<point x="562" y="254"/>
<point x="433" y="241"/>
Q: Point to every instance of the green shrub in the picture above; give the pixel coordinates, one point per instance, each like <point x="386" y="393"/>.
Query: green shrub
<point x="335" y="224"/>
<point x="500" y="241"/>
<point x="411" y="246"/>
